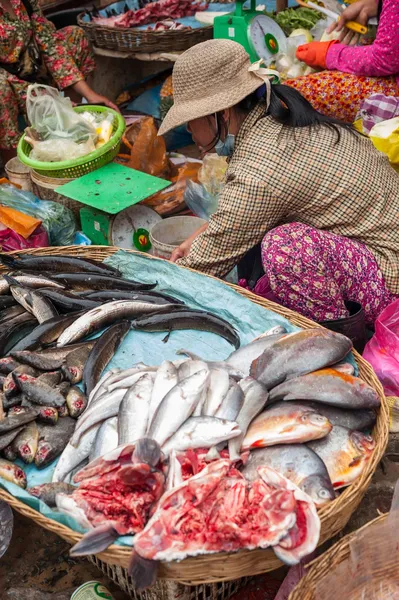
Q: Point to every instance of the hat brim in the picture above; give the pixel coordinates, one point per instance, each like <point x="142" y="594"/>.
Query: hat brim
<point x="237" y="90"/>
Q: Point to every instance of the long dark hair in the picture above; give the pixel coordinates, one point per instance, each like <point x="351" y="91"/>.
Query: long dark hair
<point x="291" y="109"/>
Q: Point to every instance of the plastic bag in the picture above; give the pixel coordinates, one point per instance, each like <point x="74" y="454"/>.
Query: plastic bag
<point x="382" y="351"/>
<point x="53" y="117"/>
<point x="199" y="201"/>
<point x="371" y="572"/>
<point x="59" y="150"/>
<point x="212" y="174"/>
<point x="22" y="224"/>
<point x="385" y="137"/>
<point x="57" y="220"/>
<point x="10" y="240"/>
<point x="287" y="64"/>
<point x="172" y="199"/>
<point x="147" y="150"/>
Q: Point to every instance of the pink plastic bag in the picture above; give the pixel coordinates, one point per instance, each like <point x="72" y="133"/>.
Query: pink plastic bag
<point x="10" y="240"/>
<point x="382" y="351"/>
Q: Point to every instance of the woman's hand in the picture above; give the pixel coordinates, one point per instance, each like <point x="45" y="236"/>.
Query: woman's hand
<point x="360" y="11"/>
<point x="184" y="248"/>
<point x="83" y="89"/>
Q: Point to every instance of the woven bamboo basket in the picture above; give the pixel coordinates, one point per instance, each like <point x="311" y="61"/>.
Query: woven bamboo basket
<point x="224" y="567"/>
<point x="127" y="39"/>
<point x="320" y="567"/>
<point x="44" y="188"/>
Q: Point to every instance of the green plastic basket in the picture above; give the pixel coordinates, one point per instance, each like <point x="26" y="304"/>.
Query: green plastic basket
<point x="85" y="164"/>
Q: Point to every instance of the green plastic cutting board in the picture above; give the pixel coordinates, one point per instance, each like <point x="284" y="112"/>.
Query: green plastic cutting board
<point x="113" y="188"/>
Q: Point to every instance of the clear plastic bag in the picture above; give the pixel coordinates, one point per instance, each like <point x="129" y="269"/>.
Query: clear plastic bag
<point x="199" y="201"/>
<point x="53" y="117"/>
<point x="212" y="174"/>
<point x="59" y="150"/>
<point x="203" y="198"/>
<point x="57" y="220"/>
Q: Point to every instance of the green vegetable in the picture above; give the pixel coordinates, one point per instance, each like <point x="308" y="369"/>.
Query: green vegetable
<point x="297" y="18"/>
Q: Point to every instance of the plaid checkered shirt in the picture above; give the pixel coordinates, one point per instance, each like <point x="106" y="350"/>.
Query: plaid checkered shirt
<point x="278" y="175"/>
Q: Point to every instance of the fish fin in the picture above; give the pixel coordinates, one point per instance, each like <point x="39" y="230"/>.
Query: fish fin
<point x="9" y="261"/>
<point x="167" y="336"/>
<point x="10" y="280"/>
<point x="94" y="541"/>
<point x="147" y="451"/>
<point x="142" y="571"/>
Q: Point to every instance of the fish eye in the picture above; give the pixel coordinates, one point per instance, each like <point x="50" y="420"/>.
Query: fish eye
<point x="324" y="494"/>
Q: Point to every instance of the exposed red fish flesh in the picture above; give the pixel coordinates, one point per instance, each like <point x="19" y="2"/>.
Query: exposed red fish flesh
<point x="218" y="510"/>
<point x="153" y="12"/>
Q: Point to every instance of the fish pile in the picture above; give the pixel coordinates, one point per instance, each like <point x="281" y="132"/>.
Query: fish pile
<point x="153" y="12"/>
<point x="49" y="306"/>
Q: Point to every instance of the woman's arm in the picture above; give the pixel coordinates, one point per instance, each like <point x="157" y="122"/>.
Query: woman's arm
<point x="246" y="212"/>
<point x="184" y="248"/>
<point x="381" y="58"/>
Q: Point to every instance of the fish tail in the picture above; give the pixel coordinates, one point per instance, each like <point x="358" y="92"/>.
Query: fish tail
<point x="94" y="541"/>
<point x="142" y="571"/>
<point x="10" y="280"/>
<point x="147" y="451"/>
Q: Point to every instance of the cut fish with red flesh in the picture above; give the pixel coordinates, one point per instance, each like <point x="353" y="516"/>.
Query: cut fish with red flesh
<point x="194" y="461"/>
<point x="303" y="537"/>
<point x="218" y="510"/>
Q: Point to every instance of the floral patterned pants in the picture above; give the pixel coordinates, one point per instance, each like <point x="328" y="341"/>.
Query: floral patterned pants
<point x="314" y="272"/>
<point x="340" y="95"/>
<point x="13" y="90"/>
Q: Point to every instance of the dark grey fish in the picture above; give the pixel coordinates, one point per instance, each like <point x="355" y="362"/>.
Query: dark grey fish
<point x="10" y="313"/>
<point x="56" y="263"/>
<point x="7" y="438"/>
<point x="52" y="441"/>
<point x="10" y="388"/>
<point x="39" y="392"/>
<point x="45" y="333"/>
<point x="67" y="301"/>
<point x="45" y="360"/>
<point x="84" y="281"/>
<point x="103" y="351"/>
<point x="48" y="491"/>
<point x="76" y="401"/>
<point x="12" y="333"/>
<point x="6" y="302"/>
<point x="32" y="301"/>
<point x="14" y="421"/>
<point x="52" y="378"/>
<point x="187" y="318"/>
<point x="7" y="365"/>
<point x="155" y="297"/>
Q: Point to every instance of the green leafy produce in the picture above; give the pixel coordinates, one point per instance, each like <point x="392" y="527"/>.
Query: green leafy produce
<point x="297" y="18"/>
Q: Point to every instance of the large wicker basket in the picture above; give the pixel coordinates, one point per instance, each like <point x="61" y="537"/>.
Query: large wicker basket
<point x="126" y="39"/>
<point x="225" y="567"/>
<point x="320" y="567"/>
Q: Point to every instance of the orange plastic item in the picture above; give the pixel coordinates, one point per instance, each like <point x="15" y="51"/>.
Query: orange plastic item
<point x="18" y="221"/>
<point x="171" y="200"/>
<point x="147" y="150"/>
<point x="4" y="180"/>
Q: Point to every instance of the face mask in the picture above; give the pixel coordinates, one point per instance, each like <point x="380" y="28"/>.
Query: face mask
<point x="225" y="148"/>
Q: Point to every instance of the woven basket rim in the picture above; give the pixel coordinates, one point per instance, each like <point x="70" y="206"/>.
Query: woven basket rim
<point x="215" y="567"/>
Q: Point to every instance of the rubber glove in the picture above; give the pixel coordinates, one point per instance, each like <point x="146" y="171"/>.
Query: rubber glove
<point x="314" y="54"/>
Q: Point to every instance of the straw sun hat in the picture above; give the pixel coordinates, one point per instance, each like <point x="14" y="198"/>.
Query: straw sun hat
<point x="211" y="77"/>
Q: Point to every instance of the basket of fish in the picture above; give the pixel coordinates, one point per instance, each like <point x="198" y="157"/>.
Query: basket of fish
<point x="177" y="430"/>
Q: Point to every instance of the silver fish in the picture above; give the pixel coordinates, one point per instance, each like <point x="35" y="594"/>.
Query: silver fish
<point x="129" y="380"/>
<point x="106" y="407"/>
<point x="178" y="404"/>
<point x="283" y="423"/>
<point x="72" y="457"/>
<point x="298" y="463"/>
<point x="276" y="330"/>
<point x="99" y="317"/>
<point x="243" y="358"/>
<point x="175" y="476"/>
<point x="212" y="364"/>
<point x="232" y="403"/>
<point x="255" y="398"/>
<point x="201" y="432"/>
<point x="358" y="420"/>
<point x="218" y="387"/>
<point x="32" y="281"/>
<point x="345" y="454"/>
<point x="330" y="387"/>
<point x="34" y="302"/>
<point x="100" y="388"/>
<point x="165" y="379"/>
<point x="190" y="367"/>
<point x="133" y="411"/>
<point x="106" y="438"/>
<point x="299" y="353"/>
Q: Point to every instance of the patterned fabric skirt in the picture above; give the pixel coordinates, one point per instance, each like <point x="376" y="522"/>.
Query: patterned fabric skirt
<point x="314" y="272"/>
<point x="340" y="95"/>
<point x="13" y="90"/>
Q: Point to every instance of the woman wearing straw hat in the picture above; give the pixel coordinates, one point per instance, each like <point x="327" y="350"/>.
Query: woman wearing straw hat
<point x="319" y="198"/>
